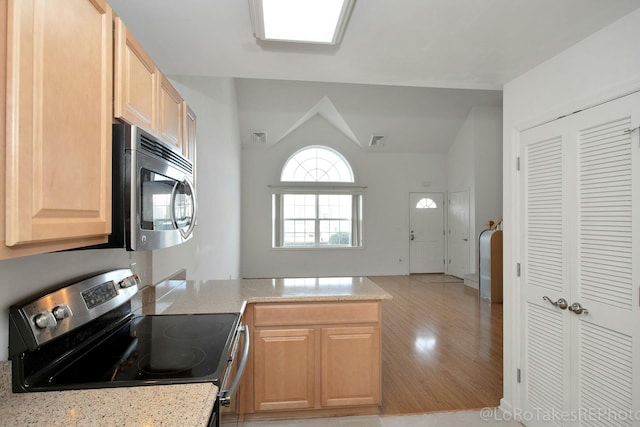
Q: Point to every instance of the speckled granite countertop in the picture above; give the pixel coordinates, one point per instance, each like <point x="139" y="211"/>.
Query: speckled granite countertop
<point x="231" y="296"/>
<point x="123" y="406"/>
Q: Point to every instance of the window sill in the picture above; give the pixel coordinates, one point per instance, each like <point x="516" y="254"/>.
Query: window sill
<point x="318" y="248"/>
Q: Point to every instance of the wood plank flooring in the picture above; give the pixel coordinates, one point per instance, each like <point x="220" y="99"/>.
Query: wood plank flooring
<point x="441" y="348"/>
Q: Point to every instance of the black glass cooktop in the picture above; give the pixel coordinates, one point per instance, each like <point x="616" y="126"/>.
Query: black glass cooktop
<point x="158" y="349"/>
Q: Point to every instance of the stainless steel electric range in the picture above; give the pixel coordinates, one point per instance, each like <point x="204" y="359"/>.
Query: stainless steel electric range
<point x="85" y="335"/>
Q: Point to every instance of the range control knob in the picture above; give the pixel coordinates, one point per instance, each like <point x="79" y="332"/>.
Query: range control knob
<point x="62" y="311"/>
<point x="45" y="319"/>
<point x="127" y="282"/>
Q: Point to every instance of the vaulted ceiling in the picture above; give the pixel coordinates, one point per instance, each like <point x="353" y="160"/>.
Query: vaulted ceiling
<point x="477" y="44"/>
<point x="412" y="119"/>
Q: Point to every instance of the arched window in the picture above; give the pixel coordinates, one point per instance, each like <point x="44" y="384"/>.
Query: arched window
<point x="426" y="203"/>
<point x="312" y="213"/>
<point x="316" y="164"/>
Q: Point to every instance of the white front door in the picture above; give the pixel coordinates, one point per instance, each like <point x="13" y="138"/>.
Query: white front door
<point x="426" y="233"/>
<point x="458" y="235"/>
<point x="579" y="196"/>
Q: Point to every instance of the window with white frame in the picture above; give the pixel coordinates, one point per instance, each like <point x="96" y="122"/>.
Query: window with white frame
<point x="317" y="205"/>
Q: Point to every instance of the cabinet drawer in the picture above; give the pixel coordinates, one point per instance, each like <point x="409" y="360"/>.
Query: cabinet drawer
<point x="316" y="313"/>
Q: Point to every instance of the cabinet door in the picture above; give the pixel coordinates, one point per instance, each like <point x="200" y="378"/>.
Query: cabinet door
<point x="351" y="366"/>
<point x="58" y="144"/>
<point x="136" y="82"/>
<point x="189" y="138"/>
<point x="284" y="369"/>
<point x="171" y="115"/>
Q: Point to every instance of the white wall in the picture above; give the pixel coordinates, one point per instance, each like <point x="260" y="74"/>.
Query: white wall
<point x="214" y="251"/>
<point x="389" y="178"/>
<point x="473" y="164"/>
<point x="602" y="66"/>
<point x="461" y="173"/>
<point x="22" y="278"/>
<point x="487" y="170"/>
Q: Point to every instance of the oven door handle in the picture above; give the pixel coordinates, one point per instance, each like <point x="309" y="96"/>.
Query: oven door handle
<point x="225" y="395"/>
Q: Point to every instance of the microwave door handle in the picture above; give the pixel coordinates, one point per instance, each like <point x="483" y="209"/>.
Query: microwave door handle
<point x="225" y="396"/>
<point x="172" y="205"/>
<point x="187" y="233"/>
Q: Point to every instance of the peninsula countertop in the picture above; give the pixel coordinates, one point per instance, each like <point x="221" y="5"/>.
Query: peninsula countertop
<point x="231" y="296"/>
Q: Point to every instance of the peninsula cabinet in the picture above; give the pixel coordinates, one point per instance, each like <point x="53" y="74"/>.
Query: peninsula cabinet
<point x="143" y="96"/>
<point x="315" y="358"/>
<point x="55" y="191"/>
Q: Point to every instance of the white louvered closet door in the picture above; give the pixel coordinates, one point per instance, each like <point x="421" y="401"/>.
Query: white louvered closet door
<point x="580" y="210"/>
<point x="545" y="369"/>
<point x="605" y="344"/>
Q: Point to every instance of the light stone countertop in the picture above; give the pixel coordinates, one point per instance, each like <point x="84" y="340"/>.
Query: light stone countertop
<point x="166" y="405"/>
<point x="231" y="296"/>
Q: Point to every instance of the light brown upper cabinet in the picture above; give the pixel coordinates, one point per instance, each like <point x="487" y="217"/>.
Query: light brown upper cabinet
<point x="57" y="149"/>
<point x="189" y="138"/>
<point x="171" y="111"/>
<point x="136" y="81"/>
<point x="143" y="96"/>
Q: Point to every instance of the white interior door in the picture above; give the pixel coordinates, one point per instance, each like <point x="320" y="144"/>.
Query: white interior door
<point x="605" y="340"/>
<point x="545" y="370"/>
<point x="426" y="232"/>
<point x="579" y="187"/>
<point x="458" y="236"/>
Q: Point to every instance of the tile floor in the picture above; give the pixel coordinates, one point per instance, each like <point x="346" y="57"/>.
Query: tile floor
<point x="484" y="418"/>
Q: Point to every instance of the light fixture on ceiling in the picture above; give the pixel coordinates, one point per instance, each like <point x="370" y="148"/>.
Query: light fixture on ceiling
<point x="377" y="140"/>
<point x="302" y="21"/>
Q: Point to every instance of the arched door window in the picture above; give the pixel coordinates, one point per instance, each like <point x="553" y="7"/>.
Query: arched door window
<point x="426" y="203"/>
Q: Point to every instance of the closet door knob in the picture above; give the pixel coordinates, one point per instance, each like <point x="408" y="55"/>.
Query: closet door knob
<point x="562" y="303"/>
<point x="578" y="309"/>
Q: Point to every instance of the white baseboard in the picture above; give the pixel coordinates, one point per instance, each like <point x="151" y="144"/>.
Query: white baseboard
<point x="472" y="281"/>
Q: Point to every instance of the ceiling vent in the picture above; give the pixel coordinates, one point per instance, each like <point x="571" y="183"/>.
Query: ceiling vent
<point x="377" y="140"/>
<point x="259" y="137"/>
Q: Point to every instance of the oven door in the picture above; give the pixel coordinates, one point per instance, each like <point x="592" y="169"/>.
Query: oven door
<point x="229" y="397"/>
<point x="164" y="207"/>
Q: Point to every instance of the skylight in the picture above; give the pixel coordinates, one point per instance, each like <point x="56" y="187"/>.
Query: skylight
<point x="306" y="21"/>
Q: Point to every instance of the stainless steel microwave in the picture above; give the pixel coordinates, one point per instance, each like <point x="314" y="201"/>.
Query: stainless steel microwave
<point x="154" y="199"/>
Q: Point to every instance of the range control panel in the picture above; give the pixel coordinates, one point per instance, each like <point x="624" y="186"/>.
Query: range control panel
<point x="76" y="304"/>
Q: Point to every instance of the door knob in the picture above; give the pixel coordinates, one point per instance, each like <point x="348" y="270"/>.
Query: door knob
<point x="466" y="240"/>
<point x="578" y="309"/>
<point x="412" y="236"/>
<point x="562" y="303"/>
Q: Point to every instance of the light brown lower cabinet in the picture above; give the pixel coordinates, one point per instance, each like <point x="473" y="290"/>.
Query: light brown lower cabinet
<point x="284" y="369"/>
<point x="311" y="358"/>
<point x="350" y="366"/>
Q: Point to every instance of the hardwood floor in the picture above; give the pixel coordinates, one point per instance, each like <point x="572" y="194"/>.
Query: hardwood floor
<point x="441" y="348"/>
